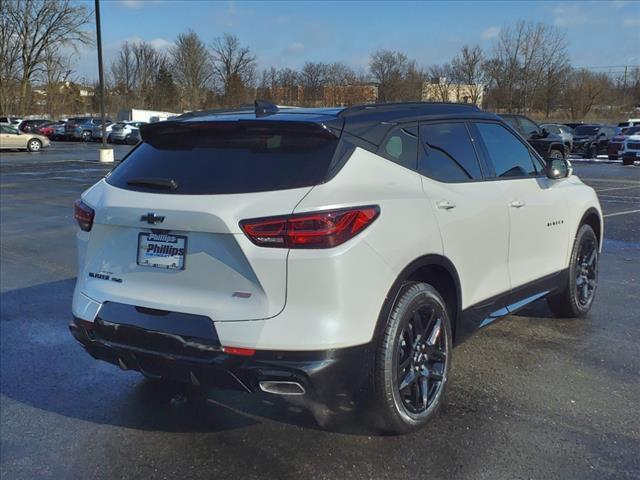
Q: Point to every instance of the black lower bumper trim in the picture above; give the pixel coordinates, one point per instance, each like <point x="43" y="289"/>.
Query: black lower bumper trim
<point x="323" y="374"/>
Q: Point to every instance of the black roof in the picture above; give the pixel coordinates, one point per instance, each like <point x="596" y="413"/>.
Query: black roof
<point x="369" y="122"/>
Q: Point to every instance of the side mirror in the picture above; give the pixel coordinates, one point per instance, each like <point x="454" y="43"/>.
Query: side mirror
<point x="558" y="168"/>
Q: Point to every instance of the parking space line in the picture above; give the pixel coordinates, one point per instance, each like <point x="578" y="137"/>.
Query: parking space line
<point x="621" y="213"/>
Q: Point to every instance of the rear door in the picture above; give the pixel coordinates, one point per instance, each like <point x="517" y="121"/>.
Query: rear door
<point x="166" y="230"/>
<point x="472" y="214"/>
<point x="538" y="233"/>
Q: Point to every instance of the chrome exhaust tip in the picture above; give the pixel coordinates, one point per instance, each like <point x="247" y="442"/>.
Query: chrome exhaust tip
<point x="281" y="387"/>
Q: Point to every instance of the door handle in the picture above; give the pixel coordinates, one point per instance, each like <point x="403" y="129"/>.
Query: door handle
<point x="517" y="204"/>
<point x="445" y="205"/>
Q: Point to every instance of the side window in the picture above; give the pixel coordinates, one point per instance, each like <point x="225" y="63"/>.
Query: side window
<point x="401" y="146"/>
<point x="513" y="121"/>
<point x="447" y="154"/>
<point x="510" y="157"/>
<point x="528" y="126"/>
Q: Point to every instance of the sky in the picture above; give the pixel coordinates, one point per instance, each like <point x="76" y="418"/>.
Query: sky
<point x="288" y="33"/>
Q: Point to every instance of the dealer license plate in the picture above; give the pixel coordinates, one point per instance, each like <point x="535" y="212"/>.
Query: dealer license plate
<point x="161" y="250"/>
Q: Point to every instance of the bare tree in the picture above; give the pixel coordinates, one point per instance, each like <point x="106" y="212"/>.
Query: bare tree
<point x="148" y="61"/>
<point x="55" y="76"/>
<point x="526" y="59"/>
<point x="192" y="70"/>
<point x="123" y="72"/>
<point x="387" y="69"/>
<point x="441" y="79"/>
<point x="41" y="24"/>
<point x="233" y="67"/>
<point x="313" y="76"/>
<point x="584" y="90"/>
<point x="9" y="61"/>
<point x="467" y="68"/>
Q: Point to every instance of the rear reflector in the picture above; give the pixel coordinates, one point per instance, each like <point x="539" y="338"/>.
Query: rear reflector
<point x="83" y="214"/>
<point x="324" y="229"/>
<point x="243" y="352"/>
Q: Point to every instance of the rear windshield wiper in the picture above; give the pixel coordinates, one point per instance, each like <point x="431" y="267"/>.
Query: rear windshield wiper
<point x="159" y="183"/>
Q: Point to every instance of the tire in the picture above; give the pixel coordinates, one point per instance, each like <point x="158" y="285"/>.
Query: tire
<point x="613" y="157"/>
<point x="576" y="298"/>
<point x="627" y="160"/>
<point x="405" y="364"/>
<point x="555" y="154"/>
<point x="34" y="145"/>
<point x="86" y="136"/>
<point x="591" y="152"/>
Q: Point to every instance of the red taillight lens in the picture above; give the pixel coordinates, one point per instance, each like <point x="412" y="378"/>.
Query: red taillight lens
<point x="242" y="352"/>
<point x="310" y="230"/>
<point x="83" y="214"/>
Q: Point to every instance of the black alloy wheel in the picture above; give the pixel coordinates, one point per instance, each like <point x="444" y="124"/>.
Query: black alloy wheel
<point x="421" y="357"/>
<point x="413" y="358"/>
<point x="576" y="298"/>
<point x="586" y="270"/>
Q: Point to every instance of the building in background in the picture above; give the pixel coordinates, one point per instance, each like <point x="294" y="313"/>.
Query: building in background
<point x="443" y="90"/>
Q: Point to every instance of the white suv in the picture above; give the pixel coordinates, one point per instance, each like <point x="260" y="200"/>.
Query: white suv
<point x="327" y="252"/>
<point x="630" y="150"/>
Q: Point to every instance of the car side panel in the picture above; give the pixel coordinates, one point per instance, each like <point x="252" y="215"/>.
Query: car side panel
<point x="334" y="296"/>
<point x="580" y="199"/>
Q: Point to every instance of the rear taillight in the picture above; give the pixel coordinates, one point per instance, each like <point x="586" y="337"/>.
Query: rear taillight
<point x="324" y="229"/>
<point x="83" y="214"/>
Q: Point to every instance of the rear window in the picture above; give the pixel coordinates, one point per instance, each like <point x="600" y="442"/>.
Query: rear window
<point x="226" y="158"/>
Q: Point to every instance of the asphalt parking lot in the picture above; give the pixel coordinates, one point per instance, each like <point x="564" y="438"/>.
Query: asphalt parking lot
<point x="530" y="396"/>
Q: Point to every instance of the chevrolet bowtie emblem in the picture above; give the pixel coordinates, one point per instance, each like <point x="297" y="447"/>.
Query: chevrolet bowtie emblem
<point x="152" y="218"/>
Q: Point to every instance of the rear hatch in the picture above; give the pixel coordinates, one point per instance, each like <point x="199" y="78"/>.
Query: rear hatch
<point x="166" y="231"/>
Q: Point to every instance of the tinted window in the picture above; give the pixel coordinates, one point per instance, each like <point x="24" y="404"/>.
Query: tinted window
<point x="8" y="129"/>
<point x="510" y="157"/>
<point x="528" y="126"/>
<point x="552" y="129"/>
<point x="513" y="121"/>
<point x="223" y="158"/>
<point x="448" y="154"/>
<point x="402" y="146"/>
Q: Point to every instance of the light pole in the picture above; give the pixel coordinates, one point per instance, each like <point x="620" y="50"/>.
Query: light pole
<point x="106" y="153"/>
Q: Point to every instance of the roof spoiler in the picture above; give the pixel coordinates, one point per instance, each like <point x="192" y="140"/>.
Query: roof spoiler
<point x="264" y="108"/>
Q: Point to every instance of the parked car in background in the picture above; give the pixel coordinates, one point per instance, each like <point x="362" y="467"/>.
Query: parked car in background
<point x="47" y="129"/>
<point x="544" y="142"/>
<point x="96" y="133"/>
<point x="32" y="125"/>
<point x="573" y="125"/>
<point x="630" y="151"/>
<point x="59" y="132"/>
<point x="81" y="128"/>
<point x="10" y="121"/>
<point x="120" y="131"/>
<point x="592" y="140"/>
<point x="13" y="139"/>
<point x="632" y="122"/>
<point x="133" y="138"/>
<point x="617" y="142"/>
<point x="563" y="131"/>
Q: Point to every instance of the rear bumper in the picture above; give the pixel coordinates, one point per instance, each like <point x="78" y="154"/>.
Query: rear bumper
<point x="328" y="375"/>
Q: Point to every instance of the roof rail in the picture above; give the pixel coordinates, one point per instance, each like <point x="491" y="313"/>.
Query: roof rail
<point x="408" y="105"/>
